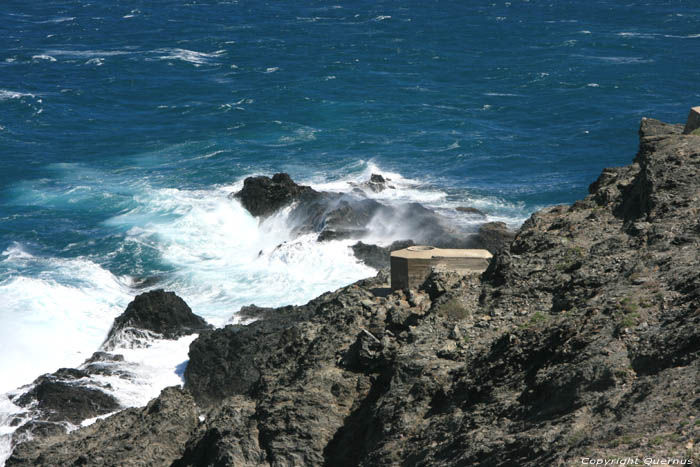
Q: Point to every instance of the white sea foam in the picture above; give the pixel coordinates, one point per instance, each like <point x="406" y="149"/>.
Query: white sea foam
<point x="8" y="411"/>
<point x="60" y="19"/>
<point x="191" y="56"/>
<point x="622" y="60"/>
<point x="687" y="36"/>
<point x="224" y="258"/>
<point x="405" y="189"/>
<point x="6" y="94"/>
<point x="81" y="54"/>
<point x="43" y="57"/>
<point x="151" y="369"/>
<point x="300" y="135"/>
<point x="55" y="317"/>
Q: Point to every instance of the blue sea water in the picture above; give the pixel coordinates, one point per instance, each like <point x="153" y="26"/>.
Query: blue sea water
<point x="124" y="125"/>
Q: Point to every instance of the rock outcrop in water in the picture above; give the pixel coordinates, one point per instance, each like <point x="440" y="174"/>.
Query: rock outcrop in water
<point x="61" y="400"/>
<point x="159" y="313"/>
<point x="264" y="195"/>
<point x="339" y="216"/>
<point x="582" y="339"/>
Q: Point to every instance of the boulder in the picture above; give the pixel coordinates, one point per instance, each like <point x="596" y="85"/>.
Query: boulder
<point x="159" y="312"/>
<point x="262" y="196"/>
<point x="377" y="183"/>
<point x="59" y="400"/>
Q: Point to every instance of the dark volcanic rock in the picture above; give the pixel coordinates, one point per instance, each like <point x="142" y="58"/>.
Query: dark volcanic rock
<point x="152" y="435"/>
<point x="495" y="236"/>
<point x="581" y="339"/>
<point x="262" y="196"/>
<point x="336" y="216"/>
<point x="103" y="363"/>
<point x="216" y="369"/>
<point x="332" y="234"/>
<point x="60" y="400"/>
<point x="257" y="312"/>
<point x="161" y="312"/>
<point x="375" y="256"/>
<point x="375" y="184"/>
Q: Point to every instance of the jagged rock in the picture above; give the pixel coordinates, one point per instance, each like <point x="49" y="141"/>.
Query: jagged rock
<point x="103" y="363"/>
<point x="336" y="216"/>
<point x="262" y="196"/>
<point x="59" y="400"/>
<point x="152" y="435"/>
<point x="159" y="312"/>
<point x="225" y="361"/>
<point x="495" y="236"/>
<point x="378" y="257"/>
<point x="375" y="184"/>
<point x="332" y="234"/>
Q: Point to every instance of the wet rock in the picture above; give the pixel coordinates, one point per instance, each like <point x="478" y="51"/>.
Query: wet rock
<point x="336" y="216"/>
<point x="107" y="364"/>
<point x="59" y="400"/>
<point x="152" y="435"/>
<point x="375" y="184"/>
<point x="332" y="234"/>
<point x="262" y="196"/>
<point x="159" y="312"/>
<point x="470" y="210"/>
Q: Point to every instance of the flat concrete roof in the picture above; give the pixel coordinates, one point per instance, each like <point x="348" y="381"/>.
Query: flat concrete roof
<point x="427" y="252"/>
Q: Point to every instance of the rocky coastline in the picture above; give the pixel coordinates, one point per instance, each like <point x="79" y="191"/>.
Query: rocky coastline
<point x="581" y="340"/>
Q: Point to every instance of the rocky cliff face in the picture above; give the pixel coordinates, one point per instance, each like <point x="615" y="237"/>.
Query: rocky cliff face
<point x="582" y="339"/>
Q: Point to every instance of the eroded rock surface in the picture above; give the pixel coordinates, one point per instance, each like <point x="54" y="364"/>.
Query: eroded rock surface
<point x="155" y="313"/>
<point x="264" y="195"/>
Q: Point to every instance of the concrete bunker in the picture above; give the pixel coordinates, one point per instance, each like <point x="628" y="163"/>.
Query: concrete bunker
<point x="411" y="266"/>
<point x="693" y="122"/>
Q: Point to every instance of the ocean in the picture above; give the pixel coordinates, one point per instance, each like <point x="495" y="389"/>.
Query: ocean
<point x="124" y="126"/>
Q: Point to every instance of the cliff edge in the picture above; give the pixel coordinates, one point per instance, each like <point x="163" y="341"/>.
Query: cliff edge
<point x="582" y="339"/>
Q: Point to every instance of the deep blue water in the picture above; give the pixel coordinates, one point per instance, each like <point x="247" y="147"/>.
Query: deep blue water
<point x="523" y="101"/>
<point x="122" y="122"/>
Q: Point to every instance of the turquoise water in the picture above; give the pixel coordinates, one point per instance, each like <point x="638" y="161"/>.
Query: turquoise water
<point x="124" y="126"/>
